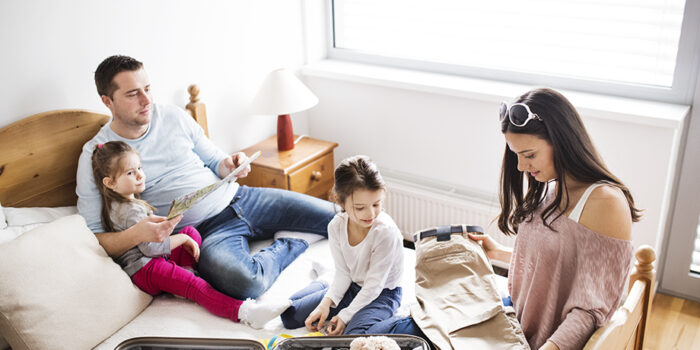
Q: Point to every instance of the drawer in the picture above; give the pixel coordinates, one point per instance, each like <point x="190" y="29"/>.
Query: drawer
<point x="264" y="177"/>
<point x="315" y="178"/>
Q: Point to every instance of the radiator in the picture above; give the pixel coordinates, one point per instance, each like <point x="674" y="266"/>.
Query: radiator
<point x="416" y="207"/>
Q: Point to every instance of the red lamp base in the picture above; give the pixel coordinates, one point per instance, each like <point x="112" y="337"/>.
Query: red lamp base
<point x="285" y="136"/>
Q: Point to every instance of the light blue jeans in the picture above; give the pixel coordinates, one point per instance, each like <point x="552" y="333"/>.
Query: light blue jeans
<point x="256" y="213"/>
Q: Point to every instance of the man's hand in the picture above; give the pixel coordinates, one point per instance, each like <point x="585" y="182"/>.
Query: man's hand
<point x="155" y="228"/>
<point x="150" y="229"/>
<point x="232" y="162"/>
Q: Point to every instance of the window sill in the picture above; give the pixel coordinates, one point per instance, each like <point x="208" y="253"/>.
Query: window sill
<point x="626" y="110"/>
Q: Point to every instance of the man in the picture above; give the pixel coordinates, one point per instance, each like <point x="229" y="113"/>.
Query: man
<point x="177" y="159"/>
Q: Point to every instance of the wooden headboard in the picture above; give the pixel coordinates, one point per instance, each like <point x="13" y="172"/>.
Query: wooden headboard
<point x="39" y="154"/>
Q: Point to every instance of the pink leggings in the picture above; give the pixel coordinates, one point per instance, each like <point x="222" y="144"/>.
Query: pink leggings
<point x="163" y="275"/>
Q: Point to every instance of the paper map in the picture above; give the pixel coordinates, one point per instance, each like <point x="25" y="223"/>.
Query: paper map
<point x="184" y="202"/>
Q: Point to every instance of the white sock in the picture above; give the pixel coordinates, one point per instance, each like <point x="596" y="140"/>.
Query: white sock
<point x="310" y="238"/>
<point x="257" y="314"/>
<point x="324" y="274"/>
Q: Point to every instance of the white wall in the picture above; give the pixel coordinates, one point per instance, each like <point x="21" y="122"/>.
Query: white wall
<point x="457" y="140"/>
<point x="50" y="50"/>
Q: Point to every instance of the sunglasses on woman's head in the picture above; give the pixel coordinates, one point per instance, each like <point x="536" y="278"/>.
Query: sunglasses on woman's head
<point x="519" y="114"/>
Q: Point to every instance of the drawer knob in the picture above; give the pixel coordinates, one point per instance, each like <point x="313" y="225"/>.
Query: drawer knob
<point x="315" y="175"/>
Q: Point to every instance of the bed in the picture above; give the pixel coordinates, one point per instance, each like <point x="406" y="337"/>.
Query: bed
<point x="37" y="188"/>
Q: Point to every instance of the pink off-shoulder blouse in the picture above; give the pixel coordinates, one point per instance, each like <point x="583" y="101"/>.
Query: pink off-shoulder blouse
<point x="566" y="282"/>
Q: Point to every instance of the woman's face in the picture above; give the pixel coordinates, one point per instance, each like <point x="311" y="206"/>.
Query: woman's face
<point x="535" y="155"/>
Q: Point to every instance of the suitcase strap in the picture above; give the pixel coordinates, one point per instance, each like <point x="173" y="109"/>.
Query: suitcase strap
<point x="443" y="232"/>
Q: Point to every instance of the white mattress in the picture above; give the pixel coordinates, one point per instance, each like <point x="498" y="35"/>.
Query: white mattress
<point x="176" y="317"/>
<point x="169" y="316"/>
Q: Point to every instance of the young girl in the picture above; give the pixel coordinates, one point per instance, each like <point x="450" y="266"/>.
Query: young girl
<point x="167" y="266"/>
<point x="366" y="247"/>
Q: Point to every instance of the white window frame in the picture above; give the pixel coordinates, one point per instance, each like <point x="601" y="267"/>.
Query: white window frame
<point x="675" y="258"/>
<point x="681" y="92"/>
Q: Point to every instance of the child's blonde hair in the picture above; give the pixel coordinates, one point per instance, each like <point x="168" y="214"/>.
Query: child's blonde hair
<point x="355" y="173"/>
<point x="106" y="162"/>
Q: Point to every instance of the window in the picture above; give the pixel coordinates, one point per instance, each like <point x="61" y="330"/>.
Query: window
<point x="621" y="47"/>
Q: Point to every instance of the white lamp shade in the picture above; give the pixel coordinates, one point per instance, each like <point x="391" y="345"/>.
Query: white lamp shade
<point x="282" y="93"/>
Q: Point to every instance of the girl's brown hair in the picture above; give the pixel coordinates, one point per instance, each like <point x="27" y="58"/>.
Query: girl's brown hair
<point x="355" y="173"/>
<point x="106" y="160"/>
<point x="574" y="155"/>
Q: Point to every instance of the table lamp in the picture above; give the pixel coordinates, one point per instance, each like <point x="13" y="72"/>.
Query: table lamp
<point x="282" y="93"/>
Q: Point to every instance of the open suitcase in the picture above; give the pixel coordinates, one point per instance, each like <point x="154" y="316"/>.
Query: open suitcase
<point x="405" y="342"/>
<point x="169" y="343"/>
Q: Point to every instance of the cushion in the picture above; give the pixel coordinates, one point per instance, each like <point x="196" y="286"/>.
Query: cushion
<point x="36" y="215"/>
<point x="60" y="288"/>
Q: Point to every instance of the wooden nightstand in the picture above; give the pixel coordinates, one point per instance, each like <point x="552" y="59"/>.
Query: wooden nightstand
<point x="308" y="168"/>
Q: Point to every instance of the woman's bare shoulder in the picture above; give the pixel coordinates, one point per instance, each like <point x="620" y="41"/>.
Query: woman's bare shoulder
<point x="608" y="213"/>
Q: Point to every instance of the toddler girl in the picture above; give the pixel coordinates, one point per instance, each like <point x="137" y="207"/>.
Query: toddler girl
<point x="366" y="246"/>
<point x="166" y="266"/>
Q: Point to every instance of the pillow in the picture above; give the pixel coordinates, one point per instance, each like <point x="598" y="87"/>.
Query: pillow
<point x="36" y="215"/>
<point x="3" y="222"/>
<point x="58" y="286"/>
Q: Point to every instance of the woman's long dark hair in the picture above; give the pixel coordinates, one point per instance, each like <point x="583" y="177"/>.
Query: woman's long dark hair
<point x="574" y="155"/>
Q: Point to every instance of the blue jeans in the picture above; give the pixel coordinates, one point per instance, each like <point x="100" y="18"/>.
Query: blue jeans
<point x="306" y="300"/>
<point x="399" y="325"/>
<point x="256" y="213"/>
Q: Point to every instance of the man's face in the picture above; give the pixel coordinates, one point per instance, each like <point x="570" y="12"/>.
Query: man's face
<point x="131" y="104"/>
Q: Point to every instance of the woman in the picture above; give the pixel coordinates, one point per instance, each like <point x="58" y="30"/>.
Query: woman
<point x="572" y="218"/>
<point x="572" y="252"/>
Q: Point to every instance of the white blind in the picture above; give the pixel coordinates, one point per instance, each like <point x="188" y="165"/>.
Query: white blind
<point x="626" y="41"/>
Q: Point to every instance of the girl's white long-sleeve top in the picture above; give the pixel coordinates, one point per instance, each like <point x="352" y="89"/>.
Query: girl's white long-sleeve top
<point x="374" y="264"/>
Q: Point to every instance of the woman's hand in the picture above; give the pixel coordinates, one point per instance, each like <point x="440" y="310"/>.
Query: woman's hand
<point x="493" y="249"/>
<point x="319" y="314"/>
<point x="337" y="326"/>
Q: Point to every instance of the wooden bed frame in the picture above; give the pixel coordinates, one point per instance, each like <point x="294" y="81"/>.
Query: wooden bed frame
<point x="39" y="160"/>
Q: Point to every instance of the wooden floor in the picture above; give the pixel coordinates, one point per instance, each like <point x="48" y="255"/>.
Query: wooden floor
<point x="674" y="324"/>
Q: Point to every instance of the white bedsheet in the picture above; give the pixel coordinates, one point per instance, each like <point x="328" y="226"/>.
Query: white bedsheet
<point x="175" y="317"/>
<point x="169" y="316"/>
